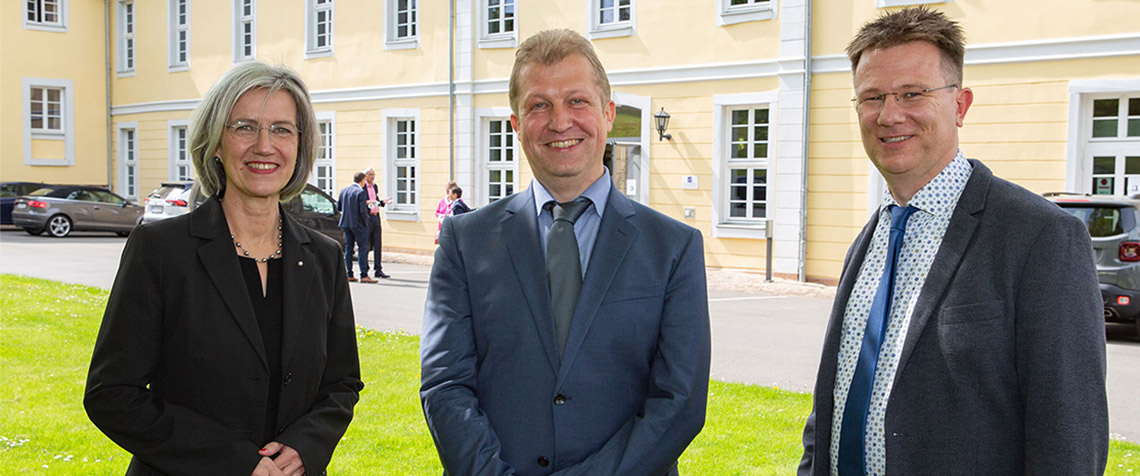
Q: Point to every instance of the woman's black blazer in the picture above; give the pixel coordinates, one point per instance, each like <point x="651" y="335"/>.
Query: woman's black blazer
<point x="179" y="375"/>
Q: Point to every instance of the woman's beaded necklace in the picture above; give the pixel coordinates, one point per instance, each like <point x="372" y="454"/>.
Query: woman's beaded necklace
<point x="267" y="258"/>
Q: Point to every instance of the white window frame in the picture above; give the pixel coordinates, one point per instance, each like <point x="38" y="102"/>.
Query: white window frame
<point x="240" y="21"/>
<point x="328" y="149"/>
<point x="1083" y="147"/>
<point x="723" y="225"/>
<point x="176" y="27"/>
<point x="178" y="149"/>
<point x="58" y="26"/>
<point x="508" y="39"/>
<point x="905" y="3"/>
<point x="758" y="10"/>
<point x="595" y="29"/>
<point x="391" y="16"/>
<point x="67" y="121"/>
<point x="128" y="158"/>
<point x="313" y="11"/>
<point x="481" y="196"/>
<point x="389" y="118"/>
<point x="127" y="45"/>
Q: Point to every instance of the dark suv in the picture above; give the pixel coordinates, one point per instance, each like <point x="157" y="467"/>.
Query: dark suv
<point x="1114" y="225"/>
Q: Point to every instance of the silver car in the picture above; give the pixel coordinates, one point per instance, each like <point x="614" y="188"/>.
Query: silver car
<point x="168" y="200"/>
<point x="1114" y="225"/>
<point x="61" y="209"/>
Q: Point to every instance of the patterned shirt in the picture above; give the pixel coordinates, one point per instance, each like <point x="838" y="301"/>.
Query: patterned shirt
<point x="935" y="202"/>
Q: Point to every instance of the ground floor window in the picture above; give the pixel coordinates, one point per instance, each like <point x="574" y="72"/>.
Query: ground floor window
<point x="401" y="163"/>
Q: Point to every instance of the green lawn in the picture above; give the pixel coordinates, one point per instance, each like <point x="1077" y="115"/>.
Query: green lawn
<point x="47" y="331"/>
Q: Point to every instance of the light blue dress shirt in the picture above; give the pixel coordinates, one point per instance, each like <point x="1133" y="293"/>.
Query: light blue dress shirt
<point x="586" y="228"/>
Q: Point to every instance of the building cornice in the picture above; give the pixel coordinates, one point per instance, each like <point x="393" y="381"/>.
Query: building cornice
<point x="1106" y="46"/>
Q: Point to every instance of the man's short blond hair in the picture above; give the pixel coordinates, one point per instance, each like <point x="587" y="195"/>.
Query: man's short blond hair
<point x="548" y="47"/>
<point x="909" y="25"/>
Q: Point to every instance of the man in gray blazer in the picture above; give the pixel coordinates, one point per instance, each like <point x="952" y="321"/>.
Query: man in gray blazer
<point x="521" y="373"/>
<point x="966" y="336"/>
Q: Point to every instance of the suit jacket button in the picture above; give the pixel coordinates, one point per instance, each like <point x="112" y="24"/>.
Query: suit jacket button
<point x="542" y="461"/>
<point x="288" y="378"/>
<point x="560" y="399"/>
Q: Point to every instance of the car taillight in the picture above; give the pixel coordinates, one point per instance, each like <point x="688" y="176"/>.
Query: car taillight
<point x="178" y="203"/>
<point x="1130" y="251"/>
<point x="37" y="204"/>
<point x="1123" y="300"/>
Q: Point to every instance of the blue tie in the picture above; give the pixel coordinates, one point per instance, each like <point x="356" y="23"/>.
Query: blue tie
<point x="851" y="436"/>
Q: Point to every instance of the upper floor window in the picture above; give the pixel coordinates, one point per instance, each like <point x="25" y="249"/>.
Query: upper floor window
<point x="245" y="30"/>
<point x="401" y="24"/>
<point x="126" y="36"/>
<point x="179" y="28"/>
<point x="739" y="11"/>
<point x="49" y="15"/>
<point x="46" y="109"/>
<point x="498" y="24"/>
<point x="319" y="28"/>
<point x="611" y="18"/>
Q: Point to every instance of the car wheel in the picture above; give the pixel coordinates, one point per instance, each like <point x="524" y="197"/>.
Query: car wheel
<point x="34" y="231"/>
<point x="59" y="226"/>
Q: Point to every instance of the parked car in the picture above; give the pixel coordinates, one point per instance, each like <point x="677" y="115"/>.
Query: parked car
<point x="8" y="193"/>
<point x="312" y="208"/>
<point x="1114" y="225"/>
<point x="168" y="200"/>
<point x="61" y="209"/>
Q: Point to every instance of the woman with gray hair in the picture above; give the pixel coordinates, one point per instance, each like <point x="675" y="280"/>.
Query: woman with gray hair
<point x="228" y="343"/>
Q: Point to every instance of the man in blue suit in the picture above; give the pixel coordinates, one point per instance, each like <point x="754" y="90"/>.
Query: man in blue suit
<point x="353" y="207"/>
<point x="586" y="359"/>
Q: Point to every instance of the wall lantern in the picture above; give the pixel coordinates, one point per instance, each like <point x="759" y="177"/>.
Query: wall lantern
<point x="662" y="119"/>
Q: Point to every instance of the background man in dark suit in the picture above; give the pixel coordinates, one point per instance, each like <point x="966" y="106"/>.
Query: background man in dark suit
<point x="374" y="205"/>
<point x="353" y="206"/>
<point x="522" y="374"/>
<point x="966" y="336"/>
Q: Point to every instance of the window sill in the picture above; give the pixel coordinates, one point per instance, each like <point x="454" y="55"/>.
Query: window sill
<point x="739" y="230"/>
<point x="178" y="68"/>
<point x="321" y="53"/>
<point x="125" y="74"/>
<point x="610" y="31"/>
<point x="732" y="17"/>
<point x="402" y="44"/>
<point x="402" y="215"/>
<point x="48" y="135"/>
<point x="511" y="41"/>
<point x="45" y="27"/>
<point x="905" y="3"/>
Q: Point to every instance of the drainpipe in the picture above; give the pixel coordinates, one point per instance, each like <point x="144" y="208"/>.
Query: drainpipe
<point x="802" y="265"/>
<point x="451" y="90"/>
<point x="107" y="68"/>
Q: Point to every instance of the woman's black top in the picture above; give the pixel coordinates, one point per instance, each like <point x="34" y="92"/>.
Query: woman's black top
<point x="268" y="309"/>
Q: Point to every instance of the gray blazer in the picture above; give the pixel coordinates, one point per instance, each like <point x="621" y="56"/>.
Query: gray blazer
<point x="629" y="392"/>
<point x="1003" y="367"/>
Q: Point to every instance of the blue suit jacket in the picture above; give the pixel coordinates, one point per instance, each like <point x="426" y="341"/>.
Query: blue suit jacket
<point x="353" y="206"/>
<point x="1003" y="368"/>
<point x="629" y="393"/>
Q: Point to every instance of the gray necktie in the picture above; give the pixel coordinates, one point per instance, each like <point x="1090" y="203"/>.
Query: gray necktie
<point x="563" y="267"/>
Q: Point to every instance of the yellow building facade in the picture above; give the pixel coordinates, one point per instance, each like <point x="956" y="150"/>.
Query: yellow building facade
<point x="417" y="90"/>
